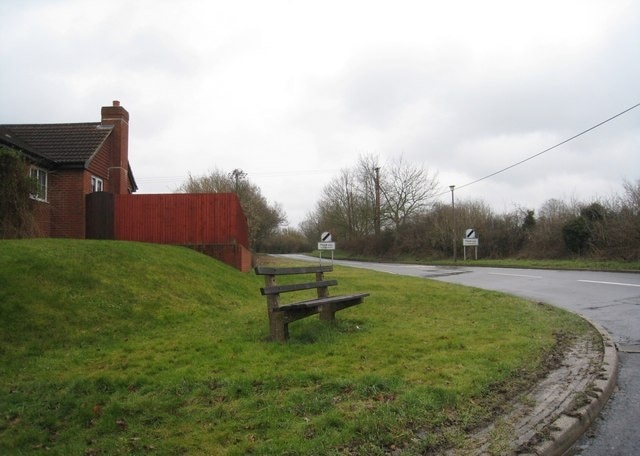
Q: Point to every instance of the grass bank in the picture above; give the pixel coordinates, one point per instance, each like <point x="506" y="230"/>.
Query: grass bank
<point x="128" y="348"/>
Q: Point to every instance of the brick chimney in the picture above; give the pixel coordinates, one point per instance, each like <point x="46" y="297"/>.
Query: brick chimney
<point x="117" y="116"/>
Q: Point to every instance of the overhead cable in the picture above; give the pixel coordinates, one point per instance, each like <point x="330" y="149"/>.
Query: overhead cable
<point x="544" y="151"/>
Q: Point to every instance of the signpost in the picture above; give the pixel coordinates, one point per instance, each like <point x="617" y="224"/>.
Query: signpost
<point x="470" y="240"/>
<point x="326" y="243"/>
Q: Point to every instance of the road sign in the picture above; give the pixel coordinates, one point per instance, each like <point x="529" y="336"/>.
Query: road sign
<point x="470" y="240"/>
<point x="326" y="237"/>
<point x="326" y="245"/>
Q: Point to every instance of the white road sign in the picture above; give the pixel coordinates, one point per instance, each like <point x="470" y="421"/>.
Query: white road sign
<point x="326" y="245"/>
<point x="470" y="233"/>
<point x="326" y="237"/>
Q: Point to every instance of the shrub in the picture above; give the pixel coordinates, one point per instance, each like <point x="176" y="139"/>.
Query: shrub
<point x="17" y="218"/>
<point x="576" y="235"/>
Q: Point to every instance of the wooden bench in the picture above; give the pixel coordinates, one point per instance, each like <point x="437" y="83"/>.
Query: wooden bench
<point x="281" y="315"/>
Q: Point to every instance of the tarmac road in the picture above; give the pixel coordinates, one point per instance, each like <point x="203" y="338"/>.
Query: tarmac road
<point x="611" y="299"/>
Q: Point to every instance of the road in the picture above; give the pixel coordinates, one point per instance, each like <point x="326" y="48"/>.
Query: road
<point x="611" y="299"/>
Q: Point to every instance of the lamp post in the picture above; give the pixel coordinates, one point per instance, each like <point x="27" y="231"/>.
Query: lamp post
<point x="453" y="217"/>
<point x="377" y="209"/>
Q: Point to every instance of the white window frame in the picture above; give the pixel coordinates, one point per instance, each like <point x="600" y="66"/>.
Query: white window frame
<point x="97" y="184"/>
<point x="41" y="178"/>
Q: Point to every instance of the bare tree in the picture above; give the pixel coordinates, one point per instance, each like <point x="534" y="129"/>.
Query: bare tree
<point x="408" y="190"/>
<point x="624" y="226"/>
<point x="344" y="206"/>
<point x="347" y="206"/>
<point x="367" y="172"/>
<point x="631" y="200"/>
<point x="351" y="204"/>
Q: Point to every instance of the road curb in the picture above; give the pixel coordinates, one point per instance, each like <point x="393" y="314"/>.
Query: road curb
<point x="570" y="426"/>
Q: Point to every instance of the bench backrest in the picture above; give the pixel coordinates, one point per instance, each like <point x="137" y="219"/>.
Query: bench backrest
<point x="266" y="270"/>
<point x="272" y="290"/>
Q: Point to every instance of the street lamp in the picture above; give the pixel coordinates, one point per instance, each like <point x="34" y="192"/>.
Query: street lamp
<point x="377" y="196"/>
<point x="453" y="216"/>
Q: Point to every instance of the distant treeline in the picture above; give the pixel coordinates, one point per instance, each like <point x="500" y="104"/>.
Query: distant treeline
<point x="406" y="225"/>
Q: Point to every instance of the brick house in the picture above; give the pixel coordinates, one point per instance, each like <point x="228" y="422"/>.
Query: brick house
<point x="85" y="187"/>
<point x="70" y="161"/>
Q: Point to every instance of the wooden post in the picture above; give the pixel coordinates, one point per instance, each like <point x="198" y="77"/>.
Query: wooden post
<point x="323" y="292"/>
<point x="327" y="311"/>
<point x="278" y="329"/>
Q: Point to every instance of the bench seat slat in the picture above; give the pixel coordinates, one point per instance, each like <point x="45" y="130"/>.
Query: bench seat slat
<point x="321" y="301"/>
<point x="297" y="287"/>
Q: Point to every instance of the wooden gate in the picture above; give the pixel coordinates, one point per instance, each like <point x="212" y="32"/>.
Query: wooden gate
<point x="99" y="215"/>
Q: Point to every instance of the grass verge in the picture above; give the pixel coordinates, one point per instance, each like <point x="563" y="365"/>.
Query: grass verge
<point x="568" y="264"/>
<point x="128" y="348"/>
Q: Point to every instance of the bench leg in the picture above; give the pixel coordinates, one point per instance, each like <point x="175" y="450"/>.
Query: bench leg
<point x="278" y="328"/>
<point x="327" y="313"/>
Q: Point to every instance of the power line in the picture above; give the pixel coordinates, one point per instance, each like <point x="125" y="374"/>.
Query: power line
<point x="545" y="151"/>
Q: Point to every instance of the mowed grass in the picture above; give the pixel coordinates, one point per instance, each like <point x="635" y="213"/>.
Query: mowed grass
<point x="128" y="348"/>
<point x="579" y="263"/>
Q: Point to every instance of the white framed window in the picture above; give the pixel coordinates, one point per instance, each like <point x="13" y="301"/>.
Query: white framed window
<point x="97" y="185"/>
<point x="40" y="177"/>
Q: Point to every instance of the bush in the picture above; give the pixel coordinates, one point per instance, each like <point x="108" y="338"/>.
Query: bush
<point x="576" y="235"/>
<point x="17" y="219"/>
<point x="287" y="240"/>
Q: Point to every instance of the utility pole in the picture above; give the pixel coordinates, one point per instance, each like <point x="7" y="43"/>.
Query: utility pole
<point x="237" y="174"/>
<point x="377" y="209"/>
<point x="453" y="217"/>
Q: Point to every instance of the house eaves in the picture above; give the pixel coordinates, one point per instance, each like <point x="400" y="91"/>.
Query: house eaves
<point x="69" y="146"/>
<point x="8" y="139"/>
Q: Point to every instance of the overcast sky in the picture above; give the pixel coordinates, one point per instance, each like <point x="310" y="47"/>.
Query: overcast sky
<point x="293" y="91"/>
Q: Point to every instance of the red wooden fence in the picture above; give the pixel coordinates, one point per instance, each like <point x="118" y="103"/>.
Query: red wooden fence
<point x="212" y="223"/>
<point x="181" y="218"/>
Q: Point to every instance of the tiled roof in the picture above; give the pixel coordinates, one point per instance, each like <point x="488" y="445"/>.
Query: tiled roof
<point x="63" y="144"/>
